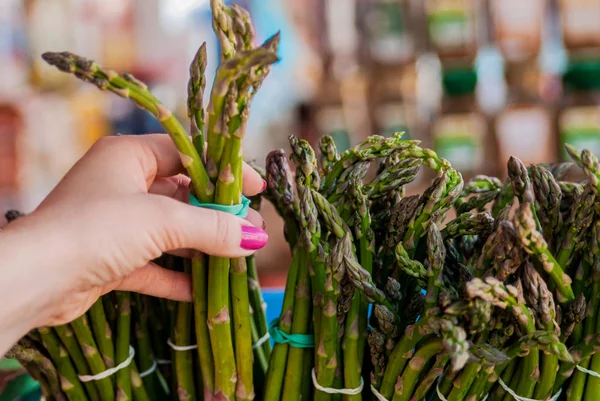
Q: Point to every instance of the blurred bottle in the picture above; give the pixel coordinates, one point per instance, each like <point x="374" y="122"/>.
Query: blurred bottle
<point x="580" y="21"/>
<point x="47" y="28"/>
<point x="524" y="128"/>
<point x="518" y="26"/>
<point x="460" y="133"/>
<point x="395" y="102"/>
<point x="388" y="34"/>
<point x="579" y="117"/>
<point x="453" y="29"/>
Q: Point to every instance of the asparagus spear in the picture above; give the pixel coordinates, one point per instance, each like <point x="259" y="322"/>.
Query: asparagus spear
<point x="243" y="331"/>
<point x="102" y="333"/>
<point x="84" y="335"/>
<point x="277" y="363"/>
<point x="69" y="382"/>
<point x="409" y="379"/>
<point x="300" y="325"/>
<point x="33" y="360"/>
<point x="138" y="390"/>
<point x="122" y="346"/>
<point x="145" y="354"/>
<point x="547" y="197"/>
<point x="282" y="194"/>
<point x="66" y="336"/>
<point x="329" y="154"/>
<point x="195" y="100"/>
<point x="534" y="243"/>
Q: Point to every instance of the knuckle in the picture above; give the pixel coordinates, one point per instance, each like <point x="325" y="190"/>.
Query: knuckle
<point x="222" y="229"/>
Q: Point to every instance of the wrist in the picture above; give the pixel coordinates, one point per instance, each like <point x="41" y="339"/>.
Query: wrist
<point x="29" y="286"/>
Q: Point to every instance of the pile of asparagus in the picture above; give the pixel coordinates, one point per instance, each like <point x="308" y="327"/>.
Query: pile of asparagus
<point x="468" y="291"/>
<point x="479" y="290"/>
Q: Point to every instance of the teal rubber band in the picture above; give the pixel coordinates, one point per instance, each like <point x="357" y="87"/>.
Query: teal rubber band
<point x="294" y="340"/>
<point x="240" y="210"/>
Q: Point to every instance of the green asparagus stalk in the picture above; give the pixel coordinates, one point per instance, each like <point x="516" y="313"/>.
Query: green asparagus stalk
<point x="138" y="390"/>
<point x="33" y="360"/>
<point x="195" y="101"/>
<point x="534" y="244"/>
<point x="183" y="360"/>
<point x="258" y="306"/>
<point x="277" y="363"/>
<point x="145" y="354"/>
<point x="300" y="325"/>
<point x="408" y="381"/>
<point x="329" y="154"/>
<point x="69" y="382"/>
<point x="84" y="335"/>
<point x="69" y="341"/>
<point x="122" y="346"/>
<point x="102" y="333"/>
<point x="243" y="329"/>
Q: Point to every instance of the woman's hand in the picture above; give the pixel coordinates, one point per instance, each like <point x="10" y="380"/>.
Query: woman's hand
<point x="121" y="206"/>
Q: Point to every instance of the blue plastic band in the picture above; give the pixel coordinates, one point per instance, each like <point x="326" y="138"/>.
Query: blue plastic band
<point x="294" y="340"/>
<point x="240" y="210"/>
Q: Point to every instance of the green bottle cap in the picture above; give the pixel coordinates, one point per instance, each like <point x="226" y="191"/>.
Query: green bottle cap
<point x="583" y="76"/>
<point x="459" y="81"/>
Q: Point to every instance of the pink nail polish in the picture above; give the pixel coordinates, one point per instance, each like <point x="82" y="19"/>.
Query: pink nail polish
<point x="253" y="238"/>
<point x="264" y="186"/>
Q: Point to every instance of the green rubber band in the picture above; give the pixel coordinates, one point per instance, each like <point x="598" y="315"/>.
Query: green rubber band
<point x="240" y="210"/>
<point x="294" y="340"/>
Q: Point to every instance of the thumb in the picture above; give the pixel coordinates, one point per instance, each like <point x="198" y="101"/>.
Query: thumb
<point x="208" y="231"/>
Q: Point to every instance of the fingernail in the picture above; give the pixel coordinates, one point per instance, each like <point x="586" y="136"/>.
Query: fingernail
<point x="253" y="238"/>
<point x="264" y="186"/>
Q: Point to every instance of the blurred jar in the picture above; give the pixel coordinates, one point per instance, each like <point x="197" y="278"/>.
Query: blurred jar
<point x="459" y="133"/>
<point x="579" y="117"/>
<point x="452" y="26"/>
<point x="518" y="25"/>
<point x="580" y="21"/>
<point x="524" y="128"/>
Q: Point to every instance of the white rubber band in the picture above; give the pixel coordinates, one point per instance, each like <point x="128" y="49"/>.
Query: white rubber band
<point x="437" y="390"/>
<point x="181" y="348"/>
<point x="262" y="340"/>
<point x="163" y="362"/>
<point x="589" y="372"/>
<point x="377" y="394"/>
<point x="519" y="398"/>
<point x="345" y="391"/>
<point x="150" y="370"/>
<point x="111" y="371"/>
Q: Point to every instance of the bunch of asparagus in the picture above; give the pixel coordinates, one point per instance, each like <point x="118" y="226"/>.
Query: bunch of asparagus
<point x="499" y="302"/>
<point x="211" y="358"/>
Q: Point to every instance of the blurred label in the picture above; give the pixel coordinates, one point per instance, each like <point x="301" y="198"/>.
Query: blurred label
<point x="459" y="138"/>
<point x="451" y="23"/>
<point x="581" y="22"/>
<point x="341" y="26"/>
<point x="331" y="122"/>
<point x="580" y="127"/>
<point x="395" y="117"/>
<point x="390" y="40"/>
<point x="518" y="27"/>
<point x="526" y="133"/>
